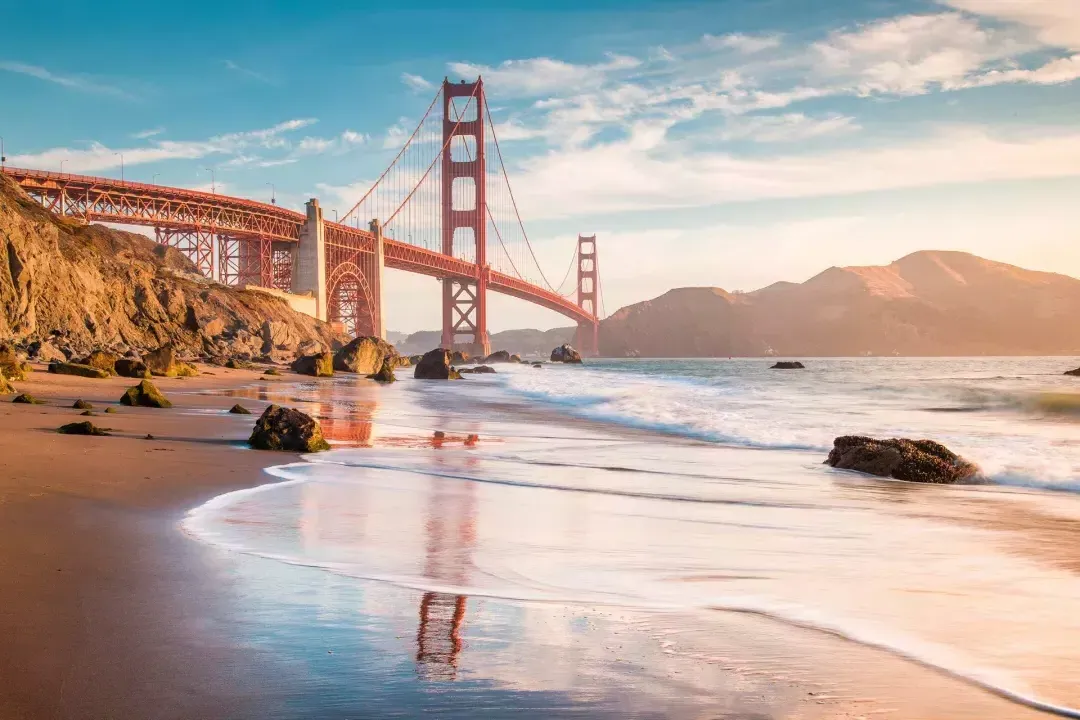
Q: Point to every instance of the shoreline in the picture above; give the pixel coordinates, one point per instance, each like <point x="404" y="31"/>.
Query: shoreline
<point x="110" y="609"/>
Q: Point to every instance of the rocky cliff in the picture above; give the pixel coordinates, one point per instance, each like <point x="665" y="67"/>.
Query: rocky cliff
<point x="77" y="287"/>
<point x="928" y="303"/>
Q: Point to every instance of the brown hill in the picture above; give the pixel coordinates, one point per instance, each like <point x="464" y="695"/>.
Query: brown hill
<point x="82" y="287"/>
<point x="927" y="303"/>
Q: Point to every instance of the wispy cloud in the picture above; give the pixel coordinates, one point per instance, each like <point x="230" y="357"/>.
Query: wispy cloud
<point x="145" y="134"/>
<point x="415" y="82"/>
<point x="538" y="76"/>
<point x="788" y="127"/>
<point x="82" y="83"/>
<point x="102" y="157"/>
<point x="248" y="72"/>
<point x="748" y="44"/>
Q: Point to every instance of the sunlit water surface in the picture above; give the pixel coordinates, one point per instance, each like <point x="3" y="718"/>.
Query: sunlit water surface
<point x="650" y="490"/>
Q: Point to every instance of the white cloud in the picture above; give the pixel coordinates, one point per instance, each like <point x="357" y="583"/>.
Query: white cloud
<point x="1055" y="72"/>
<point x="415" y="82"/>
<point x="540" y="76"/>
<point x="788" y="127"/>
<point x="248" y="72"/>
<point x="624" y="176"/>
<point x="101" y="157"/>
<point x="143" y="135"/>
<point x="1055" y="22"/>
<point x="747" y="44"/>
<point x="81" y="83"/>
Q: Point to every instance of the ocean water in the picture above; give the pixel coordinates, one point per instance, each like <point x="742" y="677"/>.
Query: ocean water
<point x="692" y="489"/>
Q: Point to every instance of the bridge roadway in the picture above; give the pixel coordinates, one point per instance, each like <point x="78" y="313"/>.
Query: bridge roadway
<point x="114" y="201"/>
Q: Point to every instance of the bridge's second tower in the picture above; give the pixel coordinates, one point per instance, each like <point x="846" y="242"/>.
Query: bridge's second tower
<point x="587" y="340"/>
<point x="464" y="215"/>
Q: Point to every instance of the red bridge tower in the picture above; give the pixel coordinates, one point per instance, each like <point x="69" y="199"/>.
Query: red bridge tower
<point x="587" y="340"/>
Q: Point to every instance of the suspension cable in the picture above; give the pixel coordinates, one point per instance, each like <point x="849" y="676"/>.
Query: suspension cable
<point x="396" y="158"/>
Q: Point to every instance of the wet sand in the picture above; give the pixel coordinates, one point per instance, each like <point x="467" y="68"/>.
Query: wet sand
<point x="108" y="610"/>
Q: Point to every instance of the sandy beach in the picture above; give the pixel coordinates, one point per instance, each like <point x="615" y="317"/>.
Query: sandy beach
<point x="108" y="609"/>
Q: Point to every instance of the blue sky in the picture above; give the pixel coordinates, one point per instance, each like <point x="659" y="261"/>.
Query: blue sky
<point x="731" y="143"/>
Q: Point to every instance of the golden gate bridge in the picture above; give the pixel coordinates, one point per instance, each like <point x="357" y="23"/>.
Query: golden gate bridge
<point x="444" y="208"/>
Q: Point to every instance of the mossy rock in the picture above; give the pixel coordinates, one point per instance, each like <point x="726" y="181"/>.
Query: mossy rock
<point x="6" y="388"/>
<point x="128" y="367"/>
<point x="145" y="395"/>
<point x="239" y="409"/>
<point x="386" y="372"/>
<point x="234" y="364"/>
<point x="10" y="366"/>
<point x="101" y="360"/>
<point x="78" y="370"/>
<point x="318" y="365"/>
<point x="186" y="370"/>
<point x="271" y="371"/>
<point x="88" y="413"/>
<point x="287" y="429"/>
<point x="162" y="362"/>
<point x="81" y="428"/>
<point x="82" y="405"/>
<point x="110" y="410"/>
<point x="24" y="399"/>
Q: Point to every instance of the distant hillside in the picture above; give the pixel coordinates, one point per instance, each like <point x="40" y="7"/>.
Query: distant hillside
<point x="523" y="342"/>
<point x="927" y="303"/>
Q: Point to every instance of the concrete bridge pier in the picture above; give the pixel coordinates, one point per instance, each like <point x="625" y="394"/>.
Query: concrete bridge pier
<point x="309" y="259"/>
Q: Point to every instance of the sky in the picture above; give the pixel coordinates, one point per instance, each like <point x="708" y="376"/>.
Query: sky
<point x="731" y="143"/>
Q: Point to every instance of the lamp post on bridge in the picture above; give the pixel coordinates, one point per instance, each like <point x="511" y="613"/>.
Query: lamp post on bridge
<point x="273" y="193"/>
<point x="62" y="166"/>
<point x="3" y="158"/>
<point x="213" y="180"/>
<point x="121" y="155"/>
<point x="153" y="178"/>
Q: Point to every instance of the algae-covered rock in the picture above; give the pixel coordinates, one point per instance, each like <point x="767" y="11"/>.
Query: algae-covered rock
<point x="162" y="362"/>
<point x="499" y="356"/>
<point x="24" y="399"/>
<point x="101" y="360"/>
<point x="386" y="372"/>
<point x="186" y="370"/>
<point x="915" y="460"/>
<point x="317" y="365"/>
<point x="144" y="395"/>
<point x="88" y="413"/>
<point x="78" y="370"/>
<point x="82" y="405"/>
<point x="236" y="364"/>
<point x="288" y="429"/>
<point x="271" y="371"/>
<point x="131" y="368"/>
<point x="11" y="366"/>
<point x="81" y="428"/>
<point x="364" y="355"/>
<point x="110" y="410"/>
<point x="433" y="365"/>
<point x="239" y="409"/>
<point x="6" y="388"/>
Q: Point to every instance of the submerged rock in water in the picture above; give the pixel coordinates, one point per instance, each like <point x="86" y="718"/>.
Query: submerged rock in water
<point x="364" y="355"/>
<point x="478" y="370"/>
<point x="914" y="460"/>
<point x="565" y="353"/>
<point x="81" y="428"/>
<point x="435" y="365"/>
<point x="788" y="365"/>
<point x="239" y="409"/>
<point x="144" y="395"/>
<point x="78" y="370"/>
<point x="280" y="428"/>
<point x="499" y="356"/>
<point x="318" y="365"/>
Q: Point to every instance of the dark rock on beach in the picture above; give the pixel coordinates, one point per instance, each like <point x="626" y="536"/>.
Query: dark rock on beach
<point x="788" y="365"/>
<point x="144" y="395"/>
<point x="1074" y="373"/>
<point x="478" y="370"/>
<point x="435" y="365"/>
<point x="364" y="356"/>
<point x="460" y="357"/>
<point x="317" y="365"/>
<point x="101" y="360"/>
<point x="499" y="356"/>
<point x="239" y="409"/>
<point x="288" y="429"/>
<point x="24" y="399"/>
<point x="131" y="368"/>
<point x="566" y="354"/>
<point x="81" y="428"/>
<point x="915" y="460"/>
<point x="78" y="370"/>
<point x="82" y="405"/>
<point x="386" y="372"/>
